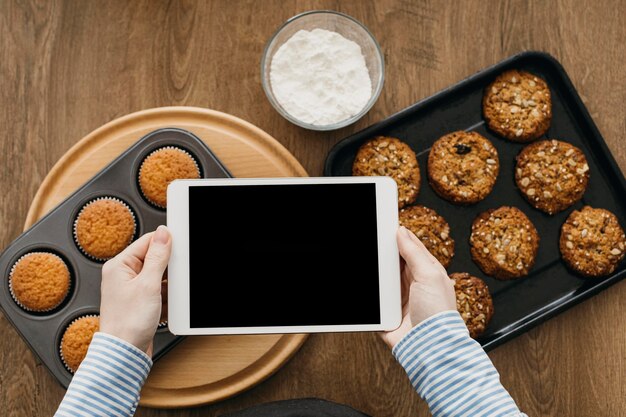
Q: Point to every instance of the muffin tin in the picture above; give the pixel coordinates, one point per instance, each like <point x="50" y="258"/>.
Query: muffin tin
<point x="54" y="233"/>
<point x="550" y="287"/>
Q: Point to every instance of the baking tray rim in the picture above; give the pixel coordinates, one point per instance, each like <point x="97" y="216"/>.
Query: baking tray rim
<point x="144" y="138"/>
<point x="558" y="306"/>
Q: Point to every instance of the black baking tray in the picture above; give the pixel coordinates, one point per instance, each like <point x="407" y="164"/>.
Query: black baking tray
<point x="550" y="287"/>
<point x="43" y="331"/>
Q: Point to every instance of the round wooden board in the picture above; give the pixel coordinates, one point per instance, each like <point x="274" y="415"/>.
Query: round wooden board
<point x="199" y="370"/>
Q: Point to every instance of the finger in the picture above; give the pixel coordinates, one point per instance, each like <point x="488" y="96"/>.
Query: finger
<point x="418" y="242"/>
<point x="137" y="249"/>
<point x="428" y="263"/>
<point x="405" y="281"/>
<point x="412" y="250"/>
<point x="157" y="256"/>
<point x="404" y="293"/>
<point x="128" y="262"/>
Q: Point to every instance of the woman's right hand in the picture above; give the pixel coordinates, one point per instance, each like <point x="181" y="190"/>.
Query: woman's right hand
<point x="131" y="289"/>
<point x="426" y="287"/>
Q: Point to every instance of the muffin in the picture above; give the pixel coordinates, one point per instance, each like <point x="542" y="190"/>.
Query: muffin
<point x="431" y="229"/>
<point x="390" y="157"/>
<point x="517" y="105"/>
<point x="39" y="281"/>
<point x="504" y="243"/>
<point x="104" y="227"/>
<point x="473" y="302"/>
<point x="552" y="175"/>
<point x="463" y="167"/>
<point x="592" y="242"/>
<point x="160" y="168"/>
<point x="76" y="340"/>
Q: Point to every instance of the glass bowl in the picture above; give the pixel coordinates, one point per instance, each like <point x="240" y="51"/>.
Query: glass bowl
<point x="347" y="27"/>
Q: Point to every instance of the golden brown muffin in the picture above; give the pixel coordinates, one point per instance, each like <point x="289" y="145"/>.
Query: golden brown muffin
<point x="552" y="175"/>
<point x="76" y="340"/>
<point x="592" y="242"/>
<point x="504" y="242"/>
<point x="473" y="302"/>
<point x="104" y="227"/>
<point x="162" y="167"/>
<point x="517" y="105"/>
<point x="431" y="229"/>
<point x="390" y="157"/>
<point x="463" y="167"/>
<point x="39" y="281"/>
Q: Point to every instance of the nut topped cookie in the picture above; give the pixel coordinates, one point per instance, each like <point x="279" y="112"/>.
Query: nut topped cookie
<point x="552" y="175"/>
<point x="592" y="242"/>
<point x="517" y="105"/>
<point x="504" y="242"/>
<point x="390" y="157"/>
<point x="431" y="229"/>
<point x="463" y="167"/>
<point x="473" y="302"/>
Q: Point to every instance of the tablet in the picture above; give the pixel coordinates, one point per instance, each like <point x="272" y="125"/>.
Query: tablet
<point x="283" y="255"/>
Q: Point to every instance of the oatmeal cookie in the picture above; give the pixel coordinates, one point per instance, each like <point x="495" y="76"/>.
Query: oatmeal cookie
<point x="592" y="242"/>
<point x="517" y="105"/>
<point x="552" y="175"/>
<point x="463" y="167"/>
<point x="473" y="301"/>
<point x="504" y="242"/>
<point x="390" y="157"/>
<point x="432" y="230"/>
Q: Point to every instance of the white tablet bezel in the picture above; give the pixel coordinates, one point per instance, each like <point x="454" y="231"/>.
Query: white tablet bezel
<point x="389" y="264"/>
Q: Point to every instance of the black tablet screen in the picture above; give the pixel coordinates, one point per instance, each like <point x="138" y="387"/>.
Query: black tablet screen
<point x="283" y="255"/>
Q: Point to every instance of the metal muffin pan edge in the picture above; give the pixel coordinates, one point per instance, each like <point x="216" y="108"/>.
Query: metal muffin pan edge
<point x="43" y="332"/>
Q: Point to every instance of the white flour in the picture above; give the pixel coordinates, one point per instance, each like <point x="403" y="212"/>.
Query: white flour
<point x="319" y="77"/>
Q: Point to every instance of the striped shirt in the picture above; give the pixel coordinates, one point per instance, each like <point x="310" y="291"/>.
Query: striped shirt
<point x="451" y="371"/>
<point x="108" y="381"/>
<point x="447" y="368"/>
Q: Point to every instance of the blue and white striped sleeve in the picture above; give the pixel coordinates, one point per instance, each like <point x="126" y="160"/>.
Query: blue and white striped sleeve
<point x="108" y="381"/>
<point x="451" y="371"/>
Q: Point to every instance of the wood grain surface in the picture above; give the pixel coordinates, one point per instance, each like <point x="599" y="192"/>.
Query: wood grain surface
<point x="199" y="370"/>
<point x="68" y="67"/>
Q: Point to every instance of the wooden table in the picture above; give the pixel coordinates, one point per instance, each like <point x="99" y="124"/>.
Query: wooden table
<point x="68" y="67"/>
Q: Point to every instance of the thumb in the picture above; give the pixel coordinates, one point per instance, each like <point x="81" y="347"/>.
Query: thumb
<point x="412" y="250"/>
<point x="158" y="255"/>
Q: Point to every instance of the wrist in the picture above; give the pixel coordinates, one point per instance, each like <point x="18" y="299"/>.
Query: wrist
<point x="418" y="317"/>
<point x="418" y="327"/>
<point x="127" y="335"/>
<point x="113" y="339"/>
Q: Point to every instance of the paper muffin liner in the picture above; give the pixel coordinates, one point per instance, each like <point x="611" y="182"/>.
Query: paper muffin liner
<point x="193" y="158"/>
<point x="75" y="235"/>
<point x="22" y="306"/>
<point x="61" y="342"/>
